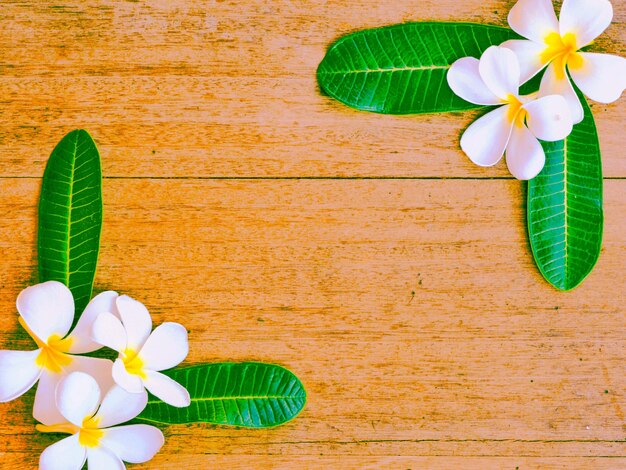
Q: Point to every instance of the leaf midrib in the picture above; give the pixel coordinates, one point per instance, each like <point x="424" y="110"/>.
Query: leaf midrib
<point x="566" y="209"/>
<point x="386" y="70"/>
<point x="69" y="215"/>
<point x="245" y="397"/>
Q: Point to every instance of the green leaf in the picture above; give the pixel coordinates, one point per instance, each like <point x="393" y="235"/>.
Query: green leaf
<point x="247" y="394"/>
<point x="565" y="218"/>
<point x="402" y="69"/>
<point x="70" y="216"/>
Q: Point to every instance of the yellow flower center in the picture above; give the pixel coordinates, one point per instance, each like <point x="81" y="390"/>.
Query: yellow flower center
<point x="89" y="434"/>
<point x="516" y="114"/>
<point x="563" y="51"/>
<point x="53" y="355"/>
<point x="133" y="363"/>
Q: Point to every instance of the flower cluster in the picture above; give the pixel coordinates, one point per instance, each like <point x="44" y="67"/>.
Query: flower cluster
<point x="549" y="114"/>
<point x="88" y="397"/>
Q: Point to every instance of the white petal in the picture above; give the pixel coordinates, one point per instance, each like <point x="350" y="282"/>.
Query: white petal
<point x="136" y="443"/>
<point x="602" y="77"/>
<point x="100" y="369"/>
<point x="78" y="397"/>
<point x="465" y="81"/>
<point x="47" y="309"/>
<point x="549" y="118"/>
<point x="500" y="70"/>
<point x="586" y="19"/>
<point x="45" y="407"/>
<point x="66" y="454"/>
<point x="529" y="56"/>
<point x="130" y="382"/>
<point x="551" y="85"/>
<point x="100" y="458"/>
<point x="166" y="347"/>
<point x="81" y="335"/>
<point x="524" y="154"/>
<point x="136" y="320"/>
<point x="167" y="389"/>
<point x="119" y="406"/>
<point x="18" y="373"/>
<point x="108" y="330"/>
<point x="485" y="139"/>
<point x="533" y="19"/>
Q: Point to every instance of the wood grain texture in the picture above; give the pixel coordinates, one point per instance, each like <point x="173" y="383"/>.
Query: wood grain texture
<point x="214" y="88"/>
<point x="410" y="309"/>
<point x="277" y="226"/>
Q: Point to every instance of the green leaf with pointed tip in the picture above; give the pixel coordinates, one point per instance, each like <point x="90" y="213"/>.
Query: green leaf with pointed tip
<point x="247" y="394"/>
<point x="565" y="218"/>
<point x="401" y="69"/>
<point x="70" y="216"/>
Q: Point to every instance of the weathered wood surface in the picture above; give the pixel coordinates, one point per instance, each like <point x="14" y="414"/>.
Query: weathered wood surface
<point x="217" y="88"/>
<point x="410" y="308"/>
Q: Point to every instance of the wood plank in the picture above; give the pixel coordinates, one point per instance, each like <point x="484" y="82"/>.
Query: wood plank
<point x="410" y="309"/>
<point x="173" y="89"/>
<point x="246" y="462"/>
<point x="265" y="38"/>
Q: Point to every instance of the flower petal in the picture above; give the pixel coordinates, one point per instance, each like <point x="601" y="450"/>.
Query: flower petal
<point x="108" y="330"/>
<point x="167" y="389"/>
<point x="602" y="77"/>
<point x="100" y="458"/>
<point x="136" y="320"/>
<point x="45" y="407"/>
<point x="533" y="19"/>
<point x="465" y="81"/>
<point x="18" y="373"/>
<point x="528" y="55"/>
<point x="66" y="454"/>
<point x="500" y="70"/>
<point x="136" y="443"/>
<point x="130" y="382"/>
<point x="77" y="397"/>
<point x="100" y="369"/>
<point x="549" y="118"/>
<point x="47" y="309"/>
<point x="81" y="335"/>
<point x="166" y="347"/>
<point x="586" y="19"/>
<point x="485" y="139"/>
<point x="552" y="85"/>
<point x="524" y="155"/>
<point x="119" y="406"/>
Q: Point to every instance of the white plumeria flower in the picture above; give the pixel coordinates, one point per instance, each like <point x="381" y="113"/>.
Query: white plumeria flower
<point x="91" y="422"/>
<point x="143" y="354"/>
<point x="46" y="313"/>
<point x="516" y="125"/>
<point x="601" y="77"/>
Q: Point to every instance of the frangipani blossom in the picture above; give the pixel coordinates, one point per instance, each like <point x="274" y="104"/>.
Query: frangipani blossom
<point x="601" y="77"/>
<point x="142" y="354"/>
<point x="91" y="421"/>
<point x="517" y="123"/>
<point x="46" y="313"/>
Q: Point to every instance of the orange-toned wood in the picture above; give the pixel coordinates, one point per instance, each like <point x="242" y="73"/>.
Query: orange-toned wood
<point x="410" y="308"/>
<point x="228" y="88"/>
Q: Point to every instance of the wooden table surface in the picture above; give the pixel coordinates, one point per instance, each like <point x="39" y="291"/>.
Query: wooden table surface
<point x="365" y="253"/>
